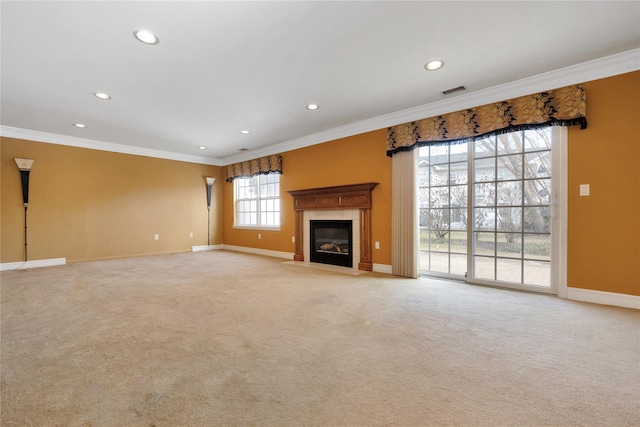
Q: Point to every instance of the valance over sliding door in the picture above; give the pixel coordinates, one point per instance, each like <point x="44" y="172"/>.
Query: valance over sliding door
<point x="559" y="107"/>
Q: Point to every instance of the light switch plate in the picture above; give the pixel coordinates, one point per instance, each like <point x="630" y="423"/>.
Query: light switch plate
<point x="584" y="189"/>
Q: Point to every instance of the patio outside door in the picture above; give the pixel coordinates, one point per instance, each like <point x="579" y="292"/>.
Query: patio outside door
<point x="489" y="210"/>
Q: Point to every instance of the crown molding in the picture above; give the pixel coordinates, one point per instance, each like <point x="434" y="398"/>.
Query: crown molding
<point x="52" y="138"/>
<point x="607" y="66"/>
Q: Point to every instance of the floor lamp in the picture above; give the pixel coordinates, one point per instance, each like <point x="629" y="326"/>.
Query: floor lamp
<point x="25" y="167"/>
<point x="210" y="182"/>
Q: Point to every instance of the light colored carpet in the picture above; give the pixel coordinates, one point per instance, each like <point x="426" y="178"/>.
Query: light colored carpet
<point x="221" y="338"/>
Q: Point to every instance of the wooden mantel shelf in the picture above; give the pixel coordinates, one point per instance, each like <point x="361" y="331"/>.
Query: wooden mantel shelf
<point x="355" y="196"/>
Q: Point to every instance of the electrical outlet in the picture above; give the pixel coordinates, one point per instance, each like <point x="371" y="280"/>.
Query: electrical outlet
<point x="156" y="237"/>
<point x="190" y="234"/>
<point x="259" y="236"/>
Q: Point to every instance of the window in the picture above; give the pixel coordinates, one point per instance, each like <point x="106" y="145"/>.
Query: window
<point x="257" y="201"/>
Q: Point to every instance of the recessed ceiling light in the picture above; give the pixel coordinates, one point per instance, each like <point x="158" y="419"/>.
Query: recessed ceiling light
<point x="79" y="125"/>
<point x="433" y="65"/>
<point x="243" y="149"/>
<point x="146" y="37"/>
<point x="312" y="107"/>
<point x="246" y="132"/>
<point x="202" y="148"/>
<point x="102" y="95"/>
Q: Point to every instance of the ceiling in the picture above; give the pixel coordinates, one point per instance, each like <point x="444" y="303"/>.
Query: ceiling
<point x="223" y="67"/>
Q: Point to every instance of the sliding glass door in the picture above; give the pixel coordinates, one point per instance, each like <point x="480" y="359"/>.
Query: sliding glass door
<point x="487" y="210"/>
<point x="443" y="200"/>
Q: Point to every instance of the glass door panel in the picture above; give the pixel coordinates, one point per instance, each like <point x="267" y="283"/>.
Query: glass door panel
<point x="443" y="199"/>
<point x="512" y="200"/>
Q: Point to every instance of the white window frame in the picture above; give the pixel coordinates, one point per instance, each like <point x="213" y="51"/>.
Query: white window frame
<point x="559" y="209"/>
<point x="258" y="199"/>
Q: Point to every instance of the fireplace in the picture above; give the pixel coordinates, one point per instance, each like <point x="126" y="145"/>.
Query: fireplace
<point x="343" y="202"/>
<point x="331" y="242"/>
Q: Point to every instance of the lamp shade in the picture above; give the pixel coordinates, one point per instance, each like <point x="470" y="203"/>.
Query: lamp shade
<point x="25" y="167"/>
<point x="24" y="164"/>
<point x="210" y="182"/>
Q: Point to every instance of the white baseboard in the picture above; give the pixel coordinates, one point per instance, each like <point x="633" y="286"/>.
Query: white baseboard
<point x="205" y="248"/>
<point x="257" y="251"/>
<point x="382" y="268"/>
<point x="24" y="265"/>
<point x="606" y="298"/>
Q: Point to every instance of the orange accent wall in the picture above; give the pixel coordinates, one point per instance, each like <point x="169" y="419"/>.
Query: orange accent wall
<point x="353" y="160"/>
<point x="604" y="228"/>
<point x="88" y="204"/>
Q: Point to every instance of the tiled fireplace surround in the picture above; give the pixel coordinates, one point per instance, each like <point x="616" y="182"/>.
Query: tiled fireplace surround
<point x="333" y="215"/>
<point x="345" y="202"/>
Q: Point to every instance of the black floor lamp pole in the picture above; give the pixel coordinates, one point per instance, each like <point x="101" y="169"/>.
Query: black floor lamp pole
<point x="210" y="182"/>
<point x="24" y="165"/>
<point x="25" y="233"/>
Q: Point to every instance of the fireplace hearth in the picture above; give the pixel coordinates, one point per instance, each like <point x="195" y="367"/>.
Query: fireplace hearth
<point x="331" y="242"/>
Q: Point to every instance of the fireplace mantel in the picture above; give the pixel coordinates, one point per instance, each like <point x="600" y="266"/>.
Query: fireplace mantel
<point x="356" y="196"/>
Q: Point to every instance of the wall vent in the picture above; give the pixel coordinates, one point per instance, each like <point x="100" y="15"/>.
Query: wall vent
<point x="455" y="89"/>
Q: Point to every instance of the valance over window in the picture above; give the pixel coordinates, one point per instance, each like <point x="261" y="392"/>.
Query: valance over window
<point x="559" y="107"/>
<point x="263" y="165"/>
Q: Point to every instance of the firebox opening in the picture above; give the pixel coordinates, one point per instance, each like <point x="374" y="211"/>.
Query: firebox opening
<point x="331" y="242"/>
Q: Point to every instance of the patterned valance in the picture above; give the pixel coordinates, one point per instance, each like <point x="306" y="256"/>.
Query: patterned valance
<point x="263" y="165"/>
<point x="559" y="107"/>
